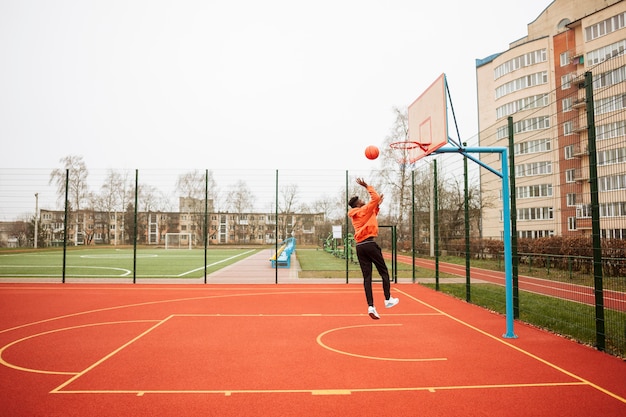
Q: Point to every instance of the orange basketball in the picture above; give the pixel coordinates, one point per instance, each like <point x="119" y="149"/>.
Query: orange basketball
<point x="371" y="152"/>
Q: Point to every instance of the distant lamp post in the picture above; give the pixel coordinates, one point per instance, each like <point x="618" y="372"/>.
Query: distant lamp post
<point x="36" y="217"/>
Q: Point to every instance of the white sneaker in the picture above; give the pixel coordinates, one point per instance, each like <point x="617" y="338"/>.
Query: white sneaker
<point x="373" y="313"/>
<point x="391" y="302"/>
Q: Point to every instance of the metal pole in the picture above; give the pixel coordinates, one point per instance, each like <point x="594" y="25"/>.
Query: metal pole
<point x="506" y="205"/>
<point x="135" y="227"/>
<point x="468" y="286"/>
<point x="436" y="223"/>
<point x="276" y="237"/>
<point x="514" y="258"/>
<point x="206" y="220"/>
<point x="36" y="218"/>
<point x="346" y="222"/>
<point x="508" y="288"/>
<point x="67" y="186"/>
<point x="595" y="215"/>
<point x="413" y="226"/>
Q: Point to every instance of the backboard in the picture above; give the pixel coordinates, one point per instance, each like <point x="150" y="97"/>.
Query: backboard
<point x="428" y="121"/>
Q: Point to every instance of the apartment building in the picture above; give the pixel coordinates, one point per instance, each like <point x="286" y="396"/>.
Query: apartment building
<point x="538" y="81"/>
<point x="90" y="227"/>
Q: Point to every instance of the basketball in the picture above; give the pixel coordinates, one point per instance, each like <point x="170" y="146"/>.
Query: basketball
<point x="371" y="152"/>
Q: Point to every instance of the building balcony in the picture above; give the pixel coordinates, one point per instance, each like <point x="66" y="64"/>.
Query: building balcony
<point x="577" y="57"/>
<point x="579" y="103"/>
<point x="581" y="150"/>
<point x="581" y="175"/>
<point x="583" y="223"/>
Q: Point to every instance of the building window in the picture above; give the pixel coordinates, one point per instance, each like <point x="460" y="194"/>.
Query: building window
<point x="612" y="156"/>
<point x="571" y="223"/>
<point x="609" y="78"/>
<point x="521" y="83"/>
<point x="532" y="146"/>
<point x="611" y="130"/>
<point x="566" y="81"/>
<point x="571" y="199"/>
<point x="521" y="61"/>
<point x="568" y="128"/>
<point x="526" y="103"/>
<point x="534" y="191"/>
<point x="567" y="104"/>
<point x="605" y="27"/>
<point x="535" y="213"/>
<point x="570" y="175"/>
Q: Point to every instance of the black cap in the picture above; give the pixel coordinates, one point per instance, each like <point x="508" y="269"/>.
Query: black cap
<point x="353" y="201"/>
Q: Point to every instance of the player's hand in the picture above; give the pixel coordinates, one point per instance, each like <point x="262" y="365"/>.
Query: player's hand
<point x="361" y="182"/>
<point x="382" y="197"/>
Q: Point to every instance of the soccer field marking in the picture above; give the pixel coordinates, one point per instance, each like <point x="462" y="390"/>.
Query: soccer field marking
<point x="214" y="263"/>
<point x="119" y="256"/>
<point x="125" y="272"/>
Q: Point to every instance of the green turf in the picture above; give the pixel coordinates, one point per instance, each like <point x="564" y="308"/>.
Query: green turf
<point x="118" y="263"/>
<point x="317" y="263"/>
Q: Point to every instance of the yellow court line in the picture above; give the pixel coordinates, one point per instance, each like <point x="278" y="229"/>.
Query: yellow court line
<point x="531" y="355"/>
<point x="147" y="303"/>
<point x="41" y="371"/>
<point x="79" y="374"/>
<point x="290" y="291"/>
<point x="328" y="391"/>
<point x="341" y="352"/>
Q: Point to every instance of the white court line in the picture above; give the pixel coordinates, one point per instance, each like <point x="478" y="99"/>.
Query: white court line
<point x="214" y="263"/>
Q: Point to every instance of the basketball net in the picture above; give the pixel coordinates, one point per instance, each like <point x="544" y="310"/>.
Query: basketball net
<point x="408" y="152"/>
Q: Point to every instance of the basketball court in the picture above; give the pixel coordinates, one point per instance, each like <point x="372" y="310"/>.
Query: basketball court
<point x="231" y="350"/>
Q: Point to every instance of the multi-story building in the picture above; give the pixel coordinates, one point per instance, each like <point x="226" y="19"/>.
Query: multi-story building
<point x="88" y="227"/>
<point x="538" y="82"/>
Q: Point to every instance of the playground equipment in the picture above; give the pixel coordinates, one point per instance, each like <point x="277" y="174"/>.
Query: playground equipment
<point x="347" y="251"/>
<point x="282" y="257"/>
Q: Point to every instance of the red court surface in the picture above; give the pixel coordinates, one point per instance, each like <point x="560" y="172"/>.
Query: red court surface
<point x="284" y="350"/>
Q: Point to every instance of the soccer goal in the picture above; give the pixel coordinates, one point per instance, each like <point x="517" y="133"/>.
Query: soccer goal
<point x="178" y="241"/>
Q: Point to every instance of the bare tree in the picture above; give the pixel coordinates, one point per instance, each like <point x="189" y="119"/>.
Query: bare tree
<point x="239" y="200"/>
<point x="115" y="193"/>
<point x="397" y="176"/>
<point x="329" y="207"/>
<point x="78" y="190"/>
<point x="288" y="198"/>
<point x="193" y="187"/>
<point x="193" y="183"/>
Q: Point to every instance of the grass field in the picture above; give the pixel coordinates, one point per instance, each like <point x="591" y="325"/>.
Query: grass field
<point x="560" y="316"/>
<point x="118" y="263"/>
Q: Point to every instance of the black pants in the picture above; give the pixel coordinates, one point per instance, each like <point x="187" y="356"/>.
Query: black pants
<point x="370" y="253"/>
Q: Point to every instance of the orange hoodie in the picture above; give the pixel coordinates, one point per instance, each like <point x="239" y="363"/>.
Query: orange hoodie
<point x="364" y="218"/>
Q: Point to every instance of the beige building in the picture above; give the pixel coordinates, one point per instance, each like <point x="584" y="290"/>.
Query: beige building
<point x="90" y="227"/>
<point x="537" y="82"/>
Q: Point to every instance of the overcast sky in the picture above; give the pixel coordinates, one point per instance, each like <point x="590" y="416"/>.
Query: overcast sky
<point x="205" y="84"/>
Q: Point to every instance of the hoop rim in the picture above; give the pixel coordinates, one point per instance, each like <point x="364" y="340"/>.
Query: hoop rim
<point x="405" y="144"/>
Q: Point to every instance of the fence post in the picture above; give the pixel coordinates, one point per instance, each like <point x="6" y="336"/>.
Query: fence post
<point x="595" y="213"/>
<point x="135" y="227"/>
<point x="67" y="186"/>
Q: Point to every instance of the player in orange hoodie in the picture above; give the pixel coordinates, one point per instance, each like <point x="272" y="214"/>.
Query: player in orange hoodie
<point x="365" y="225"/>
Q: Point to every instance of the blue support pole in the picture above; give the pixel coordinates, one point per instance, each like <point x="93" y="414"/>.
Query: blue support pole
<point x="506" y="212"/>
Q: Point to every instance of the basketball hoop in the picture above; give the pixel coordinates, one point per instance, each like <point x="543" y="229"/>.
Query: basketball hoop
<point x="408" y="152"/>
<point x="406" y="145"/>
